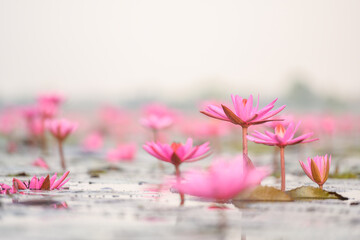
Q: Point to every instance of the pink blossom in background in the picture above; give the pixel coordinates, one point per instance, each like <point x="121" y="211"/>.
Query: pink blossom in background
<point x="43" y="183"/>
<point x="204" y="129"/>
<point x="54" y="98"/>
<point x="317" y="168"/>
<point x="158" y="109"/>
<point x="157" y="117"/>
<point x="39" y="162"/>
<point x="35" y="127"/>
<point x="8" y="121"/>
<point x="93" y="142"/>
<point x="61" y="128"/>
<point x="125" y="152"/>
<point x="222" y="181"/>
<point x="177" y="153"/>
<point x="156" y="122"/>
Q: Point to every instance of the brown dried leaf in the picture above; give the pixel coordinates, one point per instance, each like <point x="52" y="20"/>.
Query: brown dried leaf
<point x="232" y="116"/>
<point x="46" y="184"/>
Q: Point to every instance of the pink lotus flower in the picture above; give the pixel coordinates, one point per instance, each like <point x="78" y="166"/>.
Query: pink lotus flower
<point x="42" y="183"/>
<point x="244" y="115"/>
<point x="281" y="138"/>
<point x="177" y="153"/>
<point x="317" y="169"/>
<point x="54" y="98"/>
<point x="156" y="122"/>
<point x="61" y="129"/>
<point x="122" y="153"/>
<point x="93" y="142"/>
<point x="8" y="122"/>
<point x="204" y="129"/>
<point x="222" y="181"/>
<point x="6" y="189"/>
<point x="157" y="117"/>
<point x="39" y="162"/>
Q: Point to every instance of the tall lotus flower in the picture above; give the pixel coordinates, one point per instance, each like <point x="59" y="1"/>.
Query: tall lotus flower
<point x="61" y="129"/>
<point x="281" y="138"/>
<point x="222" y="181"/>
<point x="317" y="169"/>
<point x="244" y="114"/>
<point x="43" y="183"/>
<point x="177" y="153"/>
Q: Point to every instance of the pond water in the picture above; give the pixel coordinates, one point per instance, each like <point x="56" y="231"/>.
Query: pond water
<point x="125" y="204"/>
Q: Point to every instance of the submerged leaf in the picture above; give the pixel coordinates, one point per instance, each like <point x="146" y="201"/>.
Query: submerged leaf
<point x="264" y="194"/>
<point x="309" y="192"/>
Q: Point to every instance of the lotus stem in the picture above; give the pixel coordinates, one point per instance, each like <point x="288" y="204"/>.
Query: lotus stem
<point x="245" y="147"/>
<point x="178" y="179"/>
<point x="282" y="159"/>
<point x="61" y="152"/>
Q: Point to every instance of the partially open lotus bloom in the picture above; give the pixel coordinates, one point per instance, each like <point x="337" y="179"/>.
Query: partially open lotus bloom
<point x="93" y="142"/>
<point x="281" y="138"/>
<point x="317" y="168"/>
<point x="122" y="153"/>
<point x="157" y="117"/>
<point x="177" y="153"/>
<point x="6" y="189"/>
<point x="43" y="183"/>
<point x="39" y="162"/>
<point x="244" y="114"/>
<point x="222" y="181"/>
<point x="61" y="129"/>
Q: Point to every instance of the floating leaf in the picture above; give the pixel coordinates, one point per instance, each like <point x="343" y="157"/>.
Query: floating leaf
<point x="309" y="193"/>
<point x="20" y="174"/>
<point x="345" y="175"/>
<point x="264" y="194"/>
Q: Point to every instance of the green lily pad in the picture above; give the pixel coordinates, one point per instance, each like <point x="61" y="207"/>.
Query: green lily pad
<point x="310" y="193"/>
<point x="345" y="175"/>
<point x="264" y="194"/>
<point x="19" y="174"/>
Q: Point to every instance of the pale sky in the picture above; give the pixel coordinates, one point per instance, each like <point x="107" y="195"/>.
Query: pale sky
<point x="111" y="50"/>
